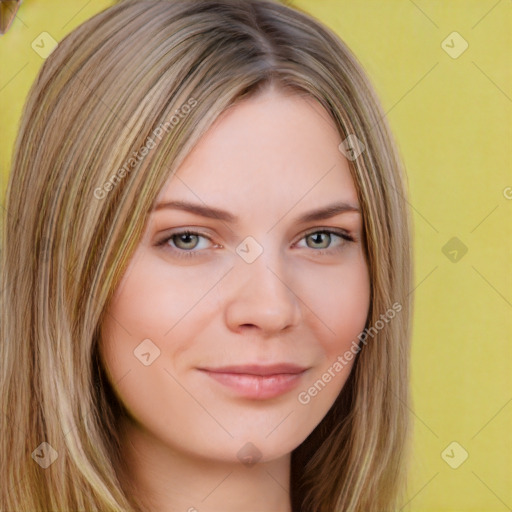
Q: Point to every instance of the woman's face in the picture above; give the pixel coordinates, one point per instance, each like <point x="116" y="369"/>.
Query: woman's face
<point x="264" y="279"/>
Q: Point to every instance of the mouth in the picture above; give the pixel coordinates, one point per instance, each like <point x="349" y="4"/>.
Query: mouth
<point x="257" y="382"/>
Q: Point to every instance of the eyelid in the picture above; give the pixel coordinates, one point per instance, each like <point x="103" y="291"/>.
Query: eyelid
<point x="183" y="231"/>
<point x="337" y="231"/>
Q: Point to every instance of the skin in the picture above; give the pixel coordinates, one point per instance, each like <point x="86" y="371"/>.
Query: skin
<point x="304" y="300"/>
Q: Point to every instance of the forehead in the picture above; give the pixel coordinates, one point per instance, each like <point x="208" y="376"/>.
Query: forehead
<point x="270" y="150"/>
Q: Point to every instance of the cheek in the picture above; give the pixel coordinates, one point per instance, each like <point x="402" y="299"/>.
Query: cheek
<point x="133" y="348"/>
<point x="150" y="304"/>
<point x="149" y="301"/>
<point x="137" y="312"/>
<point x="348" y="310"/>
<point x="339" y="299"/>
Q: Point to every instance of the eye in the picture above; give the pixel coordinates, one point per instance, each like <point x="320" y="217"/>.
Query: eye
<point x="187" y="243"/>
<point x="183" y="243"/>
<point x="322" y="239"/>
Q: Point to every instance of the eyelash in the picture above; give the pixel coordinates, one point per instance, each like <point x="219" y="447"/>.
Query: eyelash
<point x="182" y="253"/>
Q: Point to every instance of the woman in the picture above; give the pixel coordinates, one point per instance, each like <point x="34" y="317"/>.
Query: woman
<point x="172" y="336"/>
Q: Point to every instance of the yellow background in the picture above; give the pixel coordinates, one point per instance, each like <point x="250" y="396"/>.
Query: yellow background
<point x="452" y="119"/>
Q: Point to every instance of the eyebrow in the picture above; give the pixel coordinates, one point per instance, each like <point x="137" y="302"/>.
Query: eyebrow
<point x="325" y="212"/>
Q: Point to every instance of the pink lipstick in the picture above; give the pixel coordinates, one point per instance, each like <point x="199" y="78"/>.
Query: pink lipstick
<point x="258" y="382"/>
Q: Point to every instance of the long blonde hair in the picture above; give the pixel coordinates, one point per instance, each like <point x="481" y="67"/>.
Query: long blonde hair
<point x="156" y="74"/>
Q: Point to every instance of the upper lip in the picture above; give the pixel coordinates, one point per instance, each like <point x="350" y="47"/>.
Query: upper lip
<point x="256" y="369"/>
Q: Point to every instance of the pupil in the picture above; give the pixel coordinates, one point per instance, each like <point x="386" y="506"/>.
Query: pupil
<point x="186" y="238"/>
<point x="317" y="235"/>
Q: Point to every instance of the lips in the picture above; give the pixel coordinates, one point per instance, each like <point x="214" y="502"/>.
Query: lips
<point x="255" y="369"/>
<point x="257" y="382"/>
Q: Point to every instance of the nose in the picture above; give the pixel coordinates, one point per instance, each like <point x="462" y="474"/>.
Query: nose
<point x="260" y="297"/>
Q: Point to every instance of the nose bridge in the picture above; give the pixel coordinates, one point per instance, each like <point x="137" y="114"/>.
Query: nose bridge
<point x="261" y="290"/>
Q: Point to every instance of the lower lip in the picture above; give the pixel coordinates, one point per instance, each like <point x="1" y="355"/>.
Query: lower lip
<point x="257" y="387"/>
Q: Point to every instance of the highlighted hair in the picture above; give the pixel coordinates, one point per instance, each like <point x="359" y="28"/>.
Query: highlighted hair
<point x="108" y="87"/>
